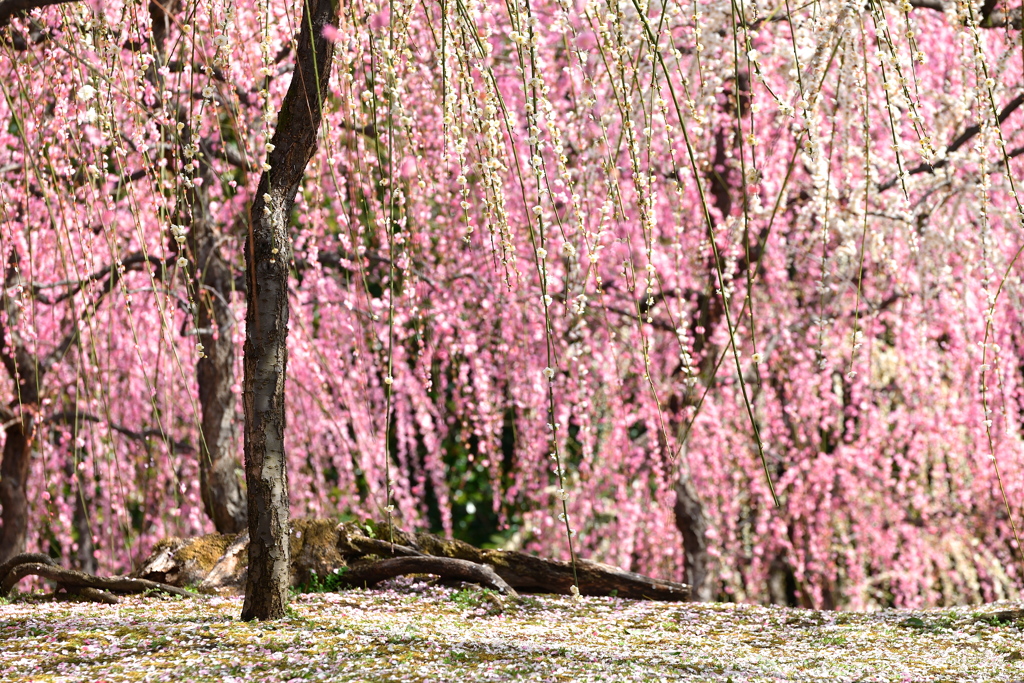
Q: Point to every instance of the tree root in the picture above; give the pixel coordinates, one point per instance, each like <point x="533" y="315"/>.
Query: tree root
<point x="374" y="551"/>
<point x="446" y="567"/>
<point x="90" y="587"/>
<point x="519" y="570"/>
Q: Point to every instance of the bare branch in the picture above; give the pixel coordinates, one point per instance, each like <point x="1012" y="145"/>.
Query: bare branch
<point x="212" y="148"/>
<point x="956" y="144"/>
<point x="936" y="5"/>
<point x="72" y="417"/>
<point x="133" y="262"/>
<point x="8" y="8"/>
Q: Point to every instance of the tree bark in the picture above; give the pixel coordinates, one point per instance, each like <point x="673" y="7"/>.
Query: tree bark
<point x="14" y="472"/>
<point x="26" y="372"/>
<point x="20" y="566"/>
<point x="689" y="514"/>
<point x="219" y="485"/>
<point x="85" y="556"/>
<point x="267" y="255"/>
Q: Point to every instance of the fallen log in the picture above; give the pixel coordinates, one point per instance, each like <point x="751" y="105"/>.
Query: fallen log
<point x="531" y="573"/>
<point x="90" y="587"/>
<point x="321" y="547"/>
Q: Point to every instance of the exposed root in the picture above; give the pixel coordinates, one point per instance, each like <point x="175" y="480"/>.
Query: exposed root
<point x="90" y="587"/>
<point x="445" y="567"/>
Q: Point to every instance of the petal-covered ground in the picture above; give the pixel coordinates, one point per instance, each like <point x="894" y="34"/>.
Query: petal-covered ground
<point x="416" y="632"/>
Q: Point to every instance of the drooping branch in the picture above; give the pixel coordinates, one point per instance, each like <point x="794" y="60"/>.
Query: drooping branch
<point x="115" y="270"/>
<point x="990" y="17"/>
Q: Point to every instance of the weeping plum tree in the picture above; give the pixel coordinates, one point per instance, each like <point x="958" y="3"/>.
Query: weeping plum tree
<point x="722" y="290"/>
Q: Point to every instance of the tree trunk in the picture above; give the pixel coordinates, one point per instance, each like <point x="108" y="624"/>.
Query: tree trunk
<point x="267" y="255"/>
<point x="219" y="483"/>
<point x="85" y="556"/>
<point x="14" y="472"/>
<point x="689" y="513"/>
<point x="26" y="372"/>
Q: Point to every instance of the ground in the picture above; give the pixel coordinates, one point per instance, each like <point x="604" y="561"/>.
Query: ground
<point x="412" y="631"/>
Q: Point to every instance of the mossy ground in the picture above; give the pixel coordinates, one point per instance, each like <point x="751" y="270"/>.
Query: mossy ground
<point x="415" y="632"/>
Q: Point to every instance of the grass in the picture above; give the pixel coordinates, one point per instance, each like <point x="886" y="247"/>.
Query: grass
<point x="415" y="632"/>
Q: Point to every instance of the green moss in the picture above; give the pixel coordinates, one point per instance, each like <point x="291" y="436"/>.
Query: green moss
<point x="320" y="533"/>
<point x="205" y="551"/>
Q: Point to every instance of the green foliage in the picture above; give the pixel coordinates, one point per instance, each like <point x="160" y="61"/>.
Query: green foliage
<point x="328" y="584"/>
<point x="471" y="598"/>
<point x="920" y="625"/>
<point x="832" y="640"/>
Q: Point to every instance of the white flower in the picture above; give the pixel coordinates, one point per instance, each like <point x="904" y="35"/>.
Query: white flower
<point x="86" y="93"/>
<point x="182" y="261"/>
<point x="549" y="372"/>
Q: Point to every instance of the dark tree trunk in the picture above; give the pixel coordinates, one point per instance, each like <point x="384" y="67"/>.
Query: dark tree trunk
<point x="689" y="513"/>
<point x="267" y="255"/>
<point x="26" y="372"/>
<point x="219" y="483"/>
<point x="14" y="472"/>
<point x="85" y="556"/>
